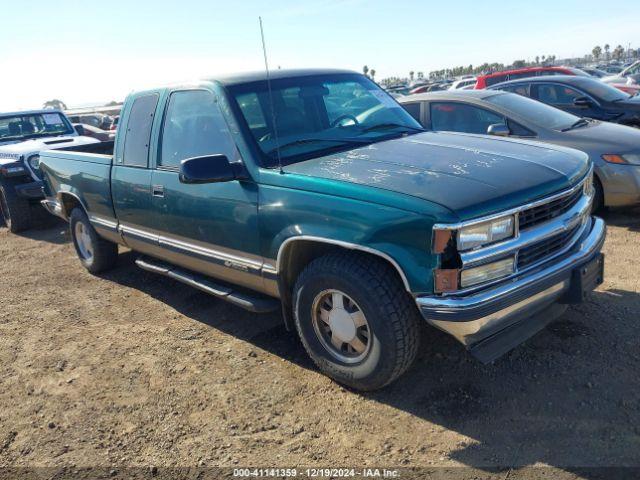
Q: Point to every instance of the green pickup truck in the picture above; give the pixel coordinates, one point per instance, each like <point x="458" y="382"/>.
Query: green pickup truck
<point x="314" y="192"/>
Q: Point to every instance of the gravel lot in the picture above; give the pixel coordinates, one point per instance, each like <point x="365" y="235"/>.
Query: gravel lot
<point x="132" y="369"/>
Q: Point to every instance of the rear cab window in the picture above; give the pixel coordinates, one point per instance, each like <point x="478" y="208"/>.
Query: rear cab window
<point x="138" y="131"/>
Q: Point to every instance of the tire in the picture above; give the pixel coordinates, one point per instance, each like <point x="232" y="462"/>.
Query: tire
<point x="598" y="196"/>
<point x="96" y="254"/>
<point x="369" y="286"/>
<point x="15" y="210"/>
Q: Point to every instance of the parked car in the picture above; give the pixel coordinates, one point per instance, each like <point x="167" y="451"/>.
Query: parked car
<point x="594" y="72"/>
<point x="614" y="149"/>
<point x="611" y="69"/>
<point x="628" y="76"/>
<point x="485" y="81"/>
<point x="22" y="136"/>
<point x="464" y="84"/>
<point x="582" y="96"/>
<point x="95" y="132"/>
<point x="276" y="194"/>
<point x="97" y="120"/>
<point x="630" y="88"/>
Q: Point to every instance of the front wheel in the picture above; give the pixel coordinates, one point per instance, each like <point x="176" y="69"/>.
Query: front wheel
<point x="15" y="210"/>
<point x="355" y="320"/>
<point x="96" y="254"/>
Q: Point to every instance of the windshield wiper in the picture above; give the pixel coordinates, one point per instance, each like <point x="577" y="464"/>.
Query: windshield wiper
<point x="302" y="141"/>
<point x="581" y="122"/>
<point x="384" y="126"/>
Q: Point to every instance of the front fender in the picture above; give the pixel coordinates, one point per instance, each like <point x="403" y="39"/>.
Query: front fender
<point x="402" y="238"/>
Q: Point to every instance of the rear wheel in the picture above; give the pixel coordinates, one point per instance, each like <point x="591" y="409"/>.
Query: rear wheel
<point x="355" y="320"/>
<point x="96" y="254"/>
<point x="15" y="210"/>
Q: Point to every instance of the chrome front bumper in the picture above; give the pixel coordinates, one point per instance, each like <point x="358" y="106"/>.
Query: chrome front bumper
<point x="475" y="317"/>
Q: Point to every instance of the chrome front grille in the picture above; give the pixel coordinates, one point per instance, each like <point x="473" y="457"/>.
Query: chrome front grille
<point x="547" y="248"/>
<point x="547" y="229"/>
<point x="542" y="213"/>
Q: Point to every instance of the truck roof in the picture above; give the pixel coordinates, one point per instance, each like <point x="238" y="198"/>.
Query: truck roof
<point x="30" y="112"/>
<point x="258" y="76"/>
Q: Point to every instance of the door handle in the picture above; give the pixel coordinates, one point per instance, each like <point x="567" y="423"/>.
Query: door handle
<point x="157" y="190"/>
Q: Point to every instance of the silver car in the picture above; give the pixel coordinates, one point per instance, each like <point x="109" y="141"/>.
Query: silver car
<point x="614" y="149"/>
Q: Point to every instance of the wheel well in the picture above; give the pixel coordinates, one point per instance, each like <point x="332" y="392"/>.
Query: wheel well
<point x="69" y="202"/>
<point x="298" y="254"/>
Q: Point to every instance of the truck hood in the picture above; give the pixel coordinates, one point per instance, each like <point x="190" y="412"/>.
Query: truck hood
<point x="471" y="175"/>
<point x="12" y="151"/>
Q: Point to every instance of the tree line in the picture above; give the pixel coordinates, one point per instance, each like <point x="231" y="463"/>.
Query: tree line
<point x="596" y="55"/>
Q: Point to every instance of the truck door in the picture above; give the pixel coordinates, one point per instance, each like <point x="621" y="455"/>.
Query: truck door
<point x="209" y="228"/>
<point x="131" y="176"/>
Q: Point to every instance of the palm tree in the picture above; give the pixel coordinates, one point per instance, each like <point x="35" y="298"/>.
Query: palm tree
<point x="372" y="72"/>
<point x="411" y="74"/>
<point x="365" y="70"/>
<point x="55" y="104"/>
<point x="537" y="59"/>
<point x="597" y="52"/>
<point x="606" y="51"/>
<point x="618" y="53"/>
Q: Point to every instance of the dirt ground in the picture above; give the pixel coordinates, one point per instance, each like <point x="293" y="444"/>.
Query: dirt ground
<point x="132" y="369"/>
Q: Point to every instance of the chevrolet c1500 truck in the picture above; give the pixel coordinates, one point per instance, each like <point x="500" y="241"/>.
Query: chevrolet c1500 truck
<point x="313" y="191"/>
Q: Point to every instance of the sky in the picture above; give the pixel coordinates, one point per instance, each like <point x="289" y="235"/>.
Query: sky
<point x="94" y="52"/>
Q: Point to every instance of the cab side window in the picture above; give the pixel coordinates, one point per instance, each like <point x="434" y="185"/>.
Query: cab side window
<point x="138" y="133"/>
<point x="193" y="127"/>
<point x="459" y="117"/>
<point x="519" y="89"/>
<point x="557" y="94"/>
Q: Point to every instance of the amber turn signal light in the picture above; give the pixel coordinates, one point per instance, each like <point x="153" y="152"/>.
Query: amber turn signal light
<point x="446" y="280"/>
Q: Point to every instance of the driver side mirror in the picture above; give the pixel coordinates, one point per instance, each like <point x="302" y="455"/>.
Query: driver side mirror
<point x="209" y="169"/>
<point x="582" y="102"/>
<point x="79" y="129"/>
<point x="499" y="130"/>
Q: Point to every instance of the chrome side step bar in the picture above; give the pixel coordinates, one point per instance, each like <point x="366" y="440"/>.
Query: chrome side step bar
<point x="253" y="302"/>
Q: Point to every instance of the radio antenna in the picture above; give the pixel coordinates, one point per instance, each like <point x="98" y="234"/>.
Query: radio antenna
<point x="271" y="104"/>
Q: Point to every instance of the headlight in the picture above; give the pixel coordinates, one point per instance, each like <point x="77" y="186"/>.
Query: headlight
<point x="626" y="159"/>
<point x="485" y="233"/>
<point x="488" y="272"/>
<point x="34" y="162"/>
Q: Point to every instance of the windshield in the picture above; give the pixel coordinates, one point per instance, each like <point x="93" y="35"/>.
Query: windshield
<point x="604" y="91"/>
<point x="536" y="112"/>
<point x="315" y="115"/>
<point x="17" y="127"/>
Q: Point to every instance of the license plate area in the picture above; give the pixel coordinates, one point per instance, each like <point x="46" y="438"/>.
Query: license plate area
<point x="585" y="279"/>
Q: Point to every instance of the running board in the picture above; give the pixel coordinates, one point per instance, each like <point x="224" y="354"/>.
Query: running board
<point x="252" y="302"/>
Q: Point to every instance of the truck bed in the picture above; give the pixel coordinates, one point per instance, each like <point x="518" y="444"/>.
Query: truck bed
<point x="82" y="172"/>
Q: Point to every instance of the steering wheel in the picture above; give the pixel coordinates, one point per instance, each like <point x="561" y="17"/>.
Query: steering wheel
<point x="346" y="116"/>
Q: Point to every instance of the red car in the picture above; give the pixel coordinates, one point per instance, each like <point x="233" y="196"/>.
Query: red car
<point x="485" y="81"/>
<point x="629" y="88"/>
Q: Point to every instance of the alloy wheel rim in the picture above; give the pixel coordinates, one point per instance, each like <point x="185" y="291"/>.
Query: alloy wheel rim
<point x="83" y="241"/>
<point x="341" y="326"/>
